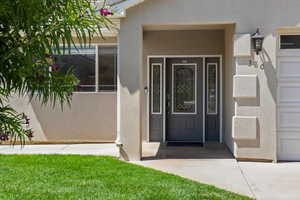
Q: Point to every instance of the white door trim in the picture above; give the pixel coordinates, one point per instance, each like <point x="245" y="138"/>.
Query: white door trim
<point x="204" y="85"/>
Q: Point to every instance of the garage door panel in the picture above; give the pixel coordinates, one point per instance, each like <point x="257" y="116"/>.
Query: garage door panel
<point x="289" y="93"/>
<point x="289" y="119"/>
<point x="289" y="69"/>
<point x="289" y="108"/>
<point x="289" y="149"/>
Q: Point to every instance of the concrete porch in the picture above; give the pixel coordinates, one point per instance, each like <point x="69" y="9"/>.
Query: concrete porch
<point x="210" y="150"/>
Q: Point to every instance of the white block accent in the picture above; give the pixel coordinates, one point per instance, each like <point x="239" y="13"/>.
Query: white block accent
<point x="242" y="45"/>
<point x="245" y="86"/>
<point x="244" y="127"/>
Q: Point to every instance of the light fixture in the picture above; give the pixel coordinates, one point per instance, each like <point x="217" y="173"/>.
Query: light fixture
<point x="257" y="39"/>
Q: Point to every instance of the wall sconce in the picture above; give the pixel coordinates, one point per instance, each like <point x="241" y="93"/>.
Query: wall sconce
<point x="257" y="39"/>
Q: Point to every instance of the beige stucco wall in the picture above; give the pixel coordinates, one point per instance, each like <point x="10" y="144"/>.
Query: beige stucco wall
<point x="92" y="116"/>
<point x="182" y="42"/>
<point x="228" y="103"/>
<point x="248" y="15"/>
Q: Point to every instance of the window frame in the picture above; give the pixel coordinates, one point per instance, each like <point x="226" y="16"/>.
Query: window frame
<point x="97" y="45"/>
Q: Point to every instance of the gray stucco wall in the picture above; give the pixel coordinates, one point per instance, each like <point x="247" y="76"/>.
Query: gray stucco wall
<point x="247" y="15"/>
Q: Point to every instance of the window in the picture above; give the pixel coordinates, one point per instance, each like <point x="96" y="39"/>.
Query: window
<point x="83" y="61"/>
<point x="290" y="42"/>
<point x="156" y="88"/>
<point x="212" y="88"/>
<point x="107" y="56"/>
<point x="184" y="88"/>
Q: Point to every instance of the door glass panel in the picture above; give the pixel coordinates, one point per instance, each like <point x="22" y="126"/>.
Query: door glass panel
<point x="212" y="89"/>
<point x="156" y="88"/>
<point x="184" y="90"/>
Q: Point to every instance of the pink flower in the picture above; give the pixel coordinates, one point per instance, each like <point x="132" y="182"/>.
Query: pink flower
<point x="78" y="86"/>
<point x="55" y="67"/>
<point x="105" y="12"/>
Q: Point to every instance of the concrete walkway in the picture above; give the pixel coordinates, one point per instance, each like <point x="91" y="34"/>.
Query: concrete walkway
<point x="82" y="149"/>
<point x="215" y="165"/>
<point x="211" y="165"/>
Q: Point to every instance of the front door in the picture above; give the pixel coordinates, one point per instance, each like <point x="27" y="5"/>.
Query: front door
<point x="184" y="99"/>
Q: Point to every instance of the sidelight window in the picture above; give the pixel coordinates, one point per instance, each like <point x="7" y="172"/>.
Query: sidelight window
<point x="212" y="88"/>
<point x="156" y="88"/>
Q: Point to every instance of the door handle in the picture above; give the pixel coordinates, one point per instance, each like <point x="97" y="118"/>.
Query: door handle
<point x="168" y="104"/>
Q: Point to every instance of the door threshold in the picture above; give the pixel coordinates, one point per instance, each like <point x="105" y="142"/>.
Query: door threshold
<point x="184" y="143"/>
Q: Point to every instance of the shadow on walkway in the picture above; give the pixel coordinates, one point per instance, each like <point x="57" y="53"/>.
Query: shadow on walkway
<point x="156" y="151"/>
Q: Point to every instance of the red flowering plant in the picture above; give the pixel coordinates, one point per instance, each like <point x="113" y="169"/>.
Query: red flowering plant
<point x="13" y="126"/>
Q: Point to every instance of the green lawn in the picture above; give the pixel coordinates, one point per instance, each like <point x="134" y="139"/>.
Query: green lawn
<point x="57" y="177"/>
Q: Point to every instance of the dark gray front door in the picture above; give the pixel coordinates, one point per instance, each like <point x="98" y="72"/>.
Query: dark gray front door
<point x="184" y="99"/>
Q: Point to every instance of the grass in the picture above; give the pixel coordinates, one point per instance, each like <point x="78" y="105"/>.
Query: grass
<point x="66" y="177"/>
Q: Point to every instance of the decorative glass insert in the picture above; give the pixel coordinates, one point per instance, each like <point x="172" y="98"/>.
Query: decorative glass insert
<point x="156" y="88"/>
<point x="212" y="88"/>
<point x="184" y="88"/>
<point x="290" y="42"/>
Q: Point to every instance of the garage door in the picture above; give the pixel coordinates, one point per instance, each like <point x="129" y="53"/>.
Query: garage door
<point x="289" y="108"/>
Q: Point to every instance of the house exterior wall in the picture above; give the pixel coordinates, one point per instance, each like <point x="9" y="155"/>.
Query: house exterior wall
<point x="92" y="116"/>
<point x="183" y="42"/>
<point x="247" y="15"/>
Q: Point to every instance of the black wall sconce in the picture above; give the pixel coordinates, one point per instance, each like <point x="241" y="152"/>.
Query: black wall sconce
<point x="257" y="39"/>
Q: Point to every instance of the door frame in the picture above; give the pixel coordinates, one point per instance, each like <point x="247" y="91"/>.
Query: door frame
<point x="148" y="111"/>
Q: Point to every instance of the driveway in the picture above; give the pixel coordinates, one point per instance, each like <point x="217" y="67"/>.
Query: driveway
<point x="215" y="165"/>
<point x="212" y="165"/>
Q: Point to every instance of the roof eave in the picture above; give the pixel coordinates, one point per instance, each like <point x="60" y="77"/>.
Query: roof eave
<point x="122" y="6"/>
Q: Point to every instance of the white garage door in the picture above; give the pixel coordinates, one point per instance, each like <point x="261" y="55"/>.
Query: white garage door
<point x="289" y="107"/>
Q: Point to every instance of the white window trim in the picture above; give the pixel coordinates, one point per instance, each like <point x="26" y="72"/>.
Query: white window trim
<point x="195" y="98"/>
<point x="160" y="88"/>
<point x="97" y="45"/>
<point x="217" y="88"/>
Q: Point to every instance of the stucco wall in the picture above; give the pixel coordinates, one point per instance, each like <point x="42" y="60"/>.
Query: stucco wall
<point x="182" y="42"/>
<point x="228" y="103"/>
<point x="91" y="118"/>
<point x="248" y="15"/>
